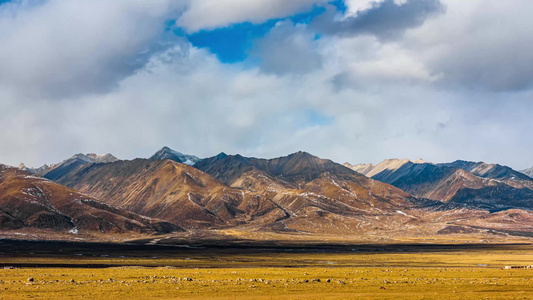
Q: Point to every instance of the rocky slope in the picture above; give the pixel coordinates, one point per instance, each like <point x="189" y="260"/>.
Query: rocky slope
<point x="171" y="191"/>
<point x="303" y="194"/>
<point x="484" y="186"/>
<point x="318" y="194"/>
<point x="285" y="193"/>
<point x="486" y="170"/>
<point x="27" y="201"/>
<point x="55" y="171"/>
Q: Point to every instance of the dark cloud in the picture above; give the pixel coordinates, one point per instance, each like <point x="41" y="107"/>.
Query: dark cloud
<point x="386" y="20"/>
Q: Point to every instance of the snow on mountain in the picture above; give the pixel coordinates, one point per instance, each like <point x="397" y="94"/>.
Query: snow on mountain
<point x="528" y="172"/>
<point x="167" y="153"/>
<point x="486" y="170"/>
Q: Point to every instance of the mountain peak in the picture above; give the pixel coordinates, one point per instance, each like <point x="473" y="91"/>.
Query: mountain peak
<point x="528" y="172"/>
<point x="102" y="158"/>
<point x="487" y="170"/>
<point x="302" y="155"/>
<point x="387" y="166"/>
<point x="221" y="155"/>
<point x="167" y="153"/>
<point x="165" y="149"/>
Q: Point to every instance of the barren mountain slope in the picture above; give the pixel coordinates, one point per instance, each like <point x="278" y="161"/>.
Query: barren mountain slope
<point x="171" y="191"/>
<point x="56" y="171"/>
<point x="29" y="201"/>
<point x="449" y="183"/>
<point x="486" y="170"/>
<point x="313" y="191"/>
<point x="262" y="192"/>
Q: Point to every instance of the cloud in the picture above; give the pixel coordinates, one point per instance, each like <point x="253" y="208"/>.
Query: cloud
<point x="477" y="44"/>
<point x="208" y="14"/>
<point x="345" y="95"/>
<point x="370" y="64"/>
<point x="356" y="6"/>
<point x="386" y="19"/>
<point x="287" y="49"/>
<point x="59" y="48"/>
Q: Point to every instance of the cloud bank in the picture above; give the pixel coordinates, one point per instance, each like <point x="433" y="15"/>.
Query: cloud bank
<point x="441" y="80"/>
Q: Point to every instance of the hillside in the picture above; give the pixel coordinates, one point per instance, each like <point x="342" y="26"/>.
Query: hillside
<point x="285" y="193"/>
<point x="27" y="201"/>
<point x="492" y="187"/>
<point x="168" y="190"/>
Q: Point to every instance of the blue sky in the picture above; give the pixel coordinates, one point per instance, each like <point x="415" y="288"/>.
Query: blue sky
<point x="232" y="44"/>
<point x="354" y="80"/>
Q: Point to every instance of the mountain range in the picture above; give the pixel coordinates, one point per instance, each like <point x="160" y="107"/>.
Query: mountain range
<point x="28" y="201"/>
<point x="296" y="194"/>
<point x="528" y="172"/>
<point x="478" y="185"/>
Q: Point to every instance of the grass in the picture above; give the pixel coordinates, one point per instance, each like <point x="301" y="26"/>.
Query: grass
<point x="268" y="283"/>
<point x="454" y="273"/>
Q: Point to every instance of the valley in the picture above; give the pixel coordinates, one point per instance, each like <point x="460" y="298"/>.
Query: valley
<point x="234" y="227"/>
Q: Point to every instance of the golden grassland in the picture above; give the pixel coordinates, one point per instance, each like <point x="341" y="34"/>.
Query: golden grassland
<point x="436" y="274"/>
<point x="268" y="283"/>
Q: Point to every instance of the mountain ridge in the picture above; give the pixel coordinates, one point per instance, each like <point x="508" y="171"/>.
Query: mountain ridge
<point x="28" y="201"/>
<point x="486" y="186"/>
<point x="167" y="153"/>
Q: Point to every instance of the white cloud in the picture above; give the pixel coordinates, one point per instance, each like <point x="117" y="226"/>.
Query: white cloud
<point x="382" y="99"/>
<point x="209" y="14"/>
<point x="58" y="48"/>
<point x="356" y="6"/>
<point x="478" y="44"/>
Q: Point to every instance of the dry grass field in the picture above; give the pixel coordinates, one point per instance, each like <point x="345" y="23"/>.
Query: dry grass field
<point x="365" y="272"/>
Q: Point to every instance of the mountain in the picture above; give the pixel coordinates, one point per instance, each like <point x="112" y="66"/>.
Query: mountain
<point x="493" y="187"/>
<point x="171" y="191"/>
<point x="318" y="194"/>
<point x="39" y="171"/>
<point x="297" y="168"/>
<point x="167" y="153"/>
<point x="360" y="168"/>
<point x="528" y="172"/>
<point x="485" y="170"/>
<point x="101" y="158"/>
<point x="299" y="192"/>
<point x="58" y="170"/>
<point x="28" y="201"/>
<point x="385" y="167"/>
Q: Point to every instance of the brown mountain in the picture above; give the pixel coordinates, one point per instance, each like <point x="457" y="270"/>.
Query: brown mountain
<point x="303" y="194"/>
<point x="56" y="170"/>
<point x="496" y="187"/>
<point x="27" y="201"/>
<point x="284" y="193"/>
<point x="171" y="191"/>
<point x="297" y="168"/>
<point x="318" y="194"/>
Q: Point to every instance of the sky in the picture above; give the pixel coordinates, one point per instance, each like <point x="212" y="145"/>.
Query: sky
<point x="354" y="81"/>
